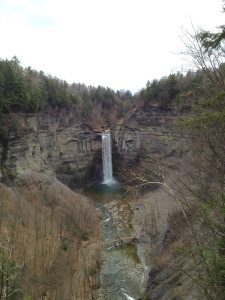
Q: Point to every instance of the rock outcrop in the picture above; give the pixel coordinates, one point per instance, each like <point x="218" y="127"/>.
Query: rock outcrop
<point x="149" y="129"/>
<point x="59" y="140"/>
<point x="62" y="141"/>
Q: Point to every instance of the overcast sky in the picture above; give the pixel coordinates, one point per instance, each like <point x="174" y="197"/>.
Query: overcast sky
<point x="116" y="43"/>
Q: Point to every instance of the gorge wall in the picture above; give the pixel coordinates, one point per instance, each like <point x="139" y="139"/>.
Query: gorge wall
<point x="150" y="130"/>
<point x="62" y="141"/>
<point x="59" y="140"/>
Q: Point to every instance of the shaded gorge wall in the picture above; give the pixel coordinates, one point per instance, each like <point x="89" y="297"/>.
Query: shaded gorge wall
<point x="62" y="141"/>
<point x="149" y="130"/>
<point x="59" y="140"/>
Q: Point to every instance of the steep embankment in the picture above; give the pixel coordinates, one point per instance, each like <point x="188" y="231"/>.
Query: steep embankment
<point x="52" y="231"/>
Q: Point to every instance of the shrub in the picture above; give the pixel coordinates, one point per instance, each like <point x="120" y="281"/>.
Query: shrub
<point x="71" y="225"/>
<point x="4" y="134"/>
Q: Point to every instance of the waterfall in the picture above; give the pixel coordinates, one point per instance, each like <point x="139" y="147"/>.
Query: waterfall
<point x="107" y="158"/>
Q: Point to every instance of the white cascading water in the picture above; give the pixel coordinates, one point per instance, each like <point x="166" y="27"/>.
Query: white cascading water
<point x="107" y="158"/>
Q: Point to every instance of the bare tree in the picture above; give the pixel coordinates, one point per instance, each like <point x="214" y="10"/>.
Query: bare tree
<point x="201" y="57"/>
<point x="9" y="270"/>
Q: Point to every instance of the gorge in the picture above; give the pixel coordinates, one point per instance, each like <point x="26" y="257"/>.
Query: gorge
<point x="74" y="226"/>
<point x="60" y="144"/>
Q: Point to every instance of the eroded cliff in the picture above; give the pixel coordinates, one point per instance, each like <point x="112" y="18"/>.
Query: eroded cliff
<point x="59" y="140"/>
<point x="151" y="130"/>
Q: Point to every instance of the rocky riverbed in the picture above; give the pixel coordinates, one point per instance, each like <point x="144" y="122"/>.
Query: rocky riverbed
<point x="123" y="274"/>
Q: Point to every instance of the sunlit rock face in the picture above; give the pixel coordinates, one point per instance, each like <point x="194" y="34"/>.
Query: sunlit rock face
<point x="59" y="140"/>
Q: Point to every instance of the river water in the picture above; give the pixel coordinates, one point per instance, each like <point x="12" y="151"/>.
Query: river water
<point x="122" y="273"/>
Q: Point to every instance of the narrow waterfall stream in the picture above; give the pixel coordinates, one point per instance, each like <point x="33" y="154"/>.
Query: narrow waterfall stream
<point x="107" y="158"/>
<point x="122" y="273"/>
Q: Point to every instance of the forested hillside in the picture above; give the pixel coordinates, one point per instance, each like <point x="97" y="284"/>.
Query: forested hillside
<point x="26" y="90"/>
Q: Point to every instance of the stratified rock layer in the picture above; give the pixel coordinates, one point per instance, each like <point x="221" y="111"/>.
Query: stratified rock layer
<point x="59" y="140"/>
<point x="151" y="130"/>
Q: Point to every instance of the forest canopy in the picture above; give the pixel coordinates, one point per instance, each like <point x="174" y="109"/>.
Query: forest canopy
<point x="27" y="90"/>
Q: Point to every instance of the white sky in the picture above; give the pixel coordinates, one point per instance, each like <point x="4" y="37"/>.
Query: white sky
<point x="116" y="43"/>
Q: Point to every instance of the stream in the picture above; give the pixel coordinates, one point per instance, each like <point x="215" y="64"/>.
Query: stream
<point x="122" y="274"/>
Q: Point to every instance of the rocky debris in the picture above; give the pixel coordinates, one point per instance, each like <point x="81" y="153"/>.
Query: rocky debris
<point x="122" y="215"/>
<point x="109" y="284"/>
<point x="122" y="273"/>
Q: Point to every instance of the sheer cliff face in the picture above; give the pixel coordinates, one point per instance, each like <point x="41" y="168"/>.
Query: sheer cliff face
<point x="57" y="140"/>
<point x="149" y="129"/>
<point x="61" y="141"/>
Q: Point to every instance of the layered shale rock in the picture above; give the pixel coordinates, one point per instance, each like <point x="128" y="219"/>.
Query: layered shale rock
<point x="151" y="130"/>
<point x="59" y="140"/>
